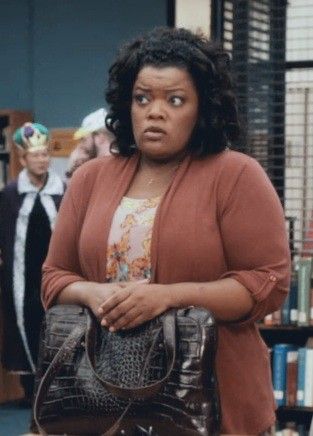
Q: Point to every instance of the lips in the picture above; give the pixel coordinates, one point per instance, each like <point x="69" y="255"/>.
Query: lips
<point x="154" y="133"/>
<point x="154" y="129"/>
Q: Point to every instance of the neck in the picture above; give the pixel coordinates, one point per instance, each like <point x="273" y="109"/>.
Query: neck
<point x="153" y="177"/>
<point x="157" y="174"/>
<point x="153" y="164"/>
<point x="38" y="181"/>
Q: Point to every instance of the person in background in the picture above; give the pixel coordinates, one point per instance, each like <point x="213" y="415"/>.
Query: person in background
<point x="189" y="222"/>
<point x="28" y="209"/>
<point x="93" y="140"/>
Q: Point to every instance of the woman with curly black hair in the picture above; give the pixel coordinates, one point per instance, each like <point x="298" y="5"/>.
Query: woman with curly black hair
<point x="207" y="65"/>
<point x="186" y="222"/>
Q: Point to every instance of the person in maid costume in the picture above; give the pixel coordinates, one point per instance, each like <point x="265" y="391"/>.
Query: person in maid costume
<point x="28" y="209"/>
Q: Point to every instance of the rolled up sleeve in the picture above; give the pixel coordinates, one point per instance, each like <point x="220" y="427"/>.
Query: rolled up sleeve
<point x="255" y="240"/>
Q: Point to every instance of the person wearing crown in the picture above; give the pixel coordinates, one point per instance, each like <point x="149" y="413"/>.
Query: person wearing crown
<point x="28" y="209"/>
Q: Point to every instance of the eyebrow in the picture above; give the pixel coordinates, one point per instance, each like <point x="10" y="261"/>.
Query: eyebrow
<point x="143" y="88"/>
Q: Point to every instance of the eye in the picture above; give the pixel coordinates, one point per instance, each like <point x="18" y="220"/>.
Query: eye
<point x="176" y="100"/>
<point x="141" y="99"/>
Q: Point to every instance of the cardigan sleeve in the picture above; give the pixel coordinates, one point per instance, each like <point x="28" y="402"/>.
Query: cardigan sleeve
<point x="255" y="239"/>
<point x="62" y="266"/>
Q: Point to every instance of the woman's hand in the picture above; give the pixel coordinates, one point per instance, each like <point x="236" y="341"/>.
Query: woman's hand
<point x="133" y="304"/>
<point x="100" y="293"/>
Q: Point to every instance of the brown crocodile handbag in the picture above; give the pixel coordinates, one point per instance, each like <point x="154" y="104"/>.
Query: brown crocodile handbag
<point x="157" y="379"/>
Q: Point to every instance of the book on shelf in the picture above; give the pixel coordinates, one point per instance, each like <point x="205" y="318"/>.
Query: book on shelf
<point x="289" y="310"/>
<point x="280" y="371"/>
<point x="301" y="376"/>
<point x="285" y="310"/>
<point x="304" y="290"/>
<point x="273" y="319"/>
<point x="293" y="301"/>
<point x="308" y="377"/>
<point x="311" y="307"/>
<point x="291" y="378"/>
<point x="292" y="374"/>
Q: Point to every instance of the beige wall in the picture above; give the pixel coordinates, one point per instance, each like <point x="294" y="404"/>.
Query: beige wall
<point x="194" y="15"/>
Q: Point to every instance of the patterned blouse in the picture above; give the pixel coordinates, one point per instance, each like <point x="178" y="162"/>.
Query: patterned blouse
<point x="128" y="253"/>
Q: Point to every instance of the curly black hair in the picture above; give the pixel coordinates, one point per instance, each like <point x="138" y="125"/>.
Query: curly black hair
<point x="208" y="66"/>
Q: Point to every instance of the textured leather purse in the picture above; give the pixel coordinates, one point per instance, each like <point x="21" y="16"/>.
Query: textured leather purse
<point x="157" y="379"/>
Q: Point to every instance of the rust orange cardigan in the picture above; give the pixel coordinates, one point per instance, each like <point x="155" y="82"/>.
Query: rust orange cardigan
<point x="220" y="217"/>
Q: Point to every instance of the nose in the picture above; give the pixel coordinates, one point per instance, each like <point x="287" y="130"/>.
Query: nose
<point x="44" y="159"/>
<point x="156" y="110"/>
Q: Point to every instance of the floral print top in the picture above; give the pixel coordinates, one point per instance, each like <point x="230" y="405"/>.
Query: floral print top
<point x="128" y="252"/>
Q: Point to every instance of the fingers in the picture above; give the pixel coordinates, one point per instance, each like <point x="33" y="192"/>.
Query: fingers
<point x="124" y="307"/>
<point x="135" y="322"/>
<point x="123" y="321"/>
<point x="124" y="291"/>
<point x="117" y="313"/>
<point x="114" y="300"/>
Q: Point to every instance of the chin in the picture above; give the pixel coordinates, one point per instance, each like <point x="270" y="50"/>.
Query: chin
<point x="155" y="153"/>
<point x="40" y="173"/>
<point x="158" y="155"/>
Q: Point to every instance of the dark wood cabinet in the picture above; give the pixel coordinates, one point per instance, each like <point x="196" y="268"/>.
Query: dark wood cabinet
<point x="10" y="120"/>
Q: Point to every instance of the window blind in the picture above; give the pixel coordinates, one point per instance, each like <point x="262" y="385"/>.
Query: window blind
<point x="271" y="46"/>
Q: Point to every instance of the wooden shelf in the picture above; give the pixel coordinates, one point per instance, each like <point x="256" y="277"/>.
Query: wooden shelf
<point x="286" y="327"/>
<point x="299" y="415"/>
<point x="291" y="334"/>
<point x="295" y="409"/>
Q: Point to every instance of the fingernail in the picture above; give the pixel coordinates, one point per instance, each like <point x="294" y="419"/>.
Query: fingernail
<point x="112" y="329"/>
<point x="104" y="322"/>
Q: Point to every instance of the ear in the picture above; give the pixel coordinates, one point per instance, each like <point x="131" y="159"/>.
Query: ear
<point x="22" y="160"/>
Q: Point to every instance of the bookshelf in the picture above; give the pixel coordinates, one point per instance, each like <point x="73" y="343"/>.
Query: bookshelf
<point x="298" y="336"/>
<point x="10" y="120"/>
<point x="288" y="333"/>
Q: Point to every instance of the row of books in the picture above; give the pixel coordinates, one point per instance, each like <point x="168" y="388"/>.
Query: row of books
<point x="298" y="306"/>
<point x="292" y="373"/>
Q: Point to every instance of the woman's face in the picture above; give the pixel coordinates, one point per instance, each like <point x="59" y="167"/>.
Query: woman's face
<point x="164" y="111"/>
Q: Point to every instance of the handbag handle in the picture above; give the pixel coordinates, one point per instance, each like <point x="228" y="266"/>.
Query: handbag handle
<point x="70" y="343"/>
<point x="141" y="392"/>
<point x="75" y="338"/>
